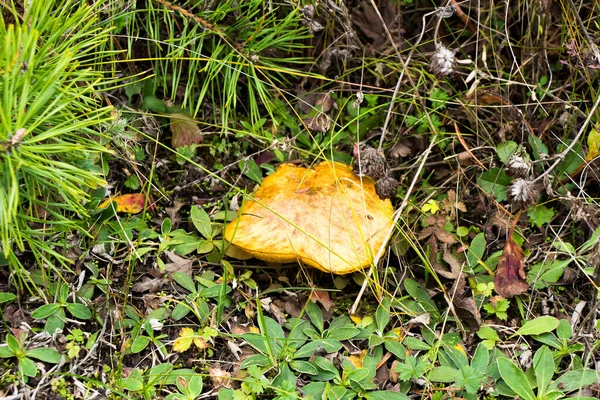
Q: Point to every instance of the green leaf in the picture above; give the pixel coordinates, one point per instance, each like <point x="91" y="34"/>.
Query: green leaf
<point x="27" y="367"/>
<point x="564" y="330"/>
<point x="575" y="380"/>
<point x="443" y="374"/>
<point x="481" y="359"/>
<point x="495" y="182"/>
<point x="304" y="367"/>
<point x="385" y="395"/>
<point x="537" y="146"/>
<point x="382" y="315"/>
<point x="543" y="366"/>
<point x="415" y="344"/>
<point x="540" y="215"/>
<point x="315" y="315"/>
<point x="6" y="352"/>
<point x="79" y="310"/>
<point x="476" y="250"/>
<point x="506" y="150"/>
<point x="341" y="333"/>
<point x="132" y="384"/>
<point x="544" y="273"/>
<point x="251" y="170"/>
<point x="202" y="222"/>
<point x="538" y="325"/>
<point x="45" y="354"/>
<point x="139" y="344"/>
<point x="5" y="297"/>
<point x="470" y="379"/>
<point x="45" y="311"/>
<point x="515" y="378"/>
<point x="185" y="281"/>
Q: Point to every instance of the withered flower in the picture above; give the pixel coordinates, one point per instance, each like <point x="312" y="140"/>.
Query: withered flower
<point x="386" y="187"/>
<point x="519" y="167"/>
<point x="510" y="275"/>
<point x="523" y="193"/>
<point x="442" y="61"/>
<point x="370" y="162"/>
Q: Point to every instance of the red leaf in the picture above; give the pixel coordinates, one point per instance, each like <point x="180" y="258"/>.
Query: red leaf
<point x="510" y="275"/>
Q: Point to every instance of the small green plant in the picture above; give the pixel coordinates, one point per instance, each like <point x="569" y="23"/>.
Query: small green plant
<point x="146" y="330"/>
<point x="15" y="347"/>
<point x="55" y="314"/>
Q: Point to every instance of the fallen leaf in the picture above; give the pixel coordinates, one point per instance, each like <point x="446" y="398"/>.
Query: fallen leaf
<point x="185" y="131"/>
<point x="128" y="203"/>
<point x="325" y="217"/>
<point x="184" y="340"/>
<point x="178" y="264"/>
<point x="467" y="311"/>
<point x="147" y="284"/>
<point x="593" y="143"/>
<point x="321" y="296"/>
<point x="510" y="275"/>
<point x="219" y="378"/>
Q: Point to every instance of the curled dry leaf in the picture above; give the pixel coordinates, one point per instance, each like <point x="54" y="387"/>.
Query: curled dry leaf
<point x="510" y="276"/>
<point x="324" y="217"/>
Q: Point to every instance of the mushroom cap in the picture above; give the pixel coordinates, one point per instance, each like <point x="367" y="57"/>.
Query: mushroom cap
<point x="325" y="217"/>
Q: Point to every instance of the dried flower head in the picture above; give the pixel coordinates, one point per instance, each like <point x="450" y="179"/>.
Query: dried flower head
<point x="386" y="187"/>
<point x="369" y="161"/>
<point x="442" y="61"/>
<point x="519" y="167"/>
<point x="523" y="193"/>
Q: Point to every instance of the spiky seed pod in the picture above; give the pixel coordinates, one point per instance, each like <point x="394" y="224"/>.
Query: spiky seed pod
<point x="523" y="193"/>
<point x="370" y="162"/>
<point x="443" y="61"/>
<point x="386" y="187"/>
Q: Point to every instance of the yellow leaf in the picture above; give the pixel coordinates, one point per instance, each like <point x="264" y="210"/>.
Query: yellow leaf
<point x="593" y="143"/>
<point x="184" y="340"/>
<point x="127" y="203"/>
<point x="431" y="206"/>
<point x="357" y="361"/>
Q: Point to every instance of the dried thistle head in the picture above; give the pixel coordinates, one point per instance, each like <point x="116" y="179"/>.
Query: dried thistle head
<point x="386" y="187"/>
<point x="523" y="193"/>
<point x="442" y="61"/>
<point x="370" y="162"/>
<point x="519" y="166"/>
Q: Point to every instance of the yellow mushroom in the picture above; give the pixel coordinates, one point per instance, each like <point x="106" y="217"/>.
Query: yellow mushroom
<point x="325" y="217"/>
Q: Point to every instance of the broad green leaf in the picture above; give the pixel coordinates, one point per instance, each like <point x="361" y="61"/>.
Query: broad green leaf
<point x="382" y="315"/>
<point x="185" y="281"/>
<point x="540" y="215"/>
<point x="315" y="315"/>
<point x="538" y="325"/>
<point x="45" y="311"/>
<point x="537" y="146"/>
<point x="506" y="150"/>
<point x="201" y="221"/>
<point x="6" y="352"/>
<point x="575" y="380"/>
<point x="443" y="374"/>
<point x="385" y="395"/>
<point x="79" y="310"/>
<point x="476" y="250"/>
<point x="45" y="354"/>
<point x="5" y="297"/>
<point x="564" y="330"/>
<point x="515" y="378"/>
<point x="415" y="344"/>
<point x="132" y="384"/>
<point x="481" y="359"/>
<point x="304" y="367"/>
<point x="27" y="367"/>
<point x="543" y="366"/>
<point x="495" y="182"/>
<point x="251" y="170"/>
<point x="544" y="273"/>
<point x="139" y="344"/>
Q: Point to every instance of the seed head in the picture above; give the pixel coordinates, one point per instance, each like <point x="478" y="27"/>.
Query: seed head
<point x="386" y="187"/>
<point x="370" y="162"/>
<point x="519" y="167"/>
<point x="523" y="193"/>
<point x="442" y="61"/>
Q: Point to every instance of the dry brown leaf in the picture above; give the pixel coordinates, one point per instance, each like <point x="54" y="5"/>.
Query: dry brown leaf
<point x="321" y="296"/>
<point x="510" y="275"/>
<point x="147" y="284"/>
<point x="219" y="378"/>
<point x="467" y="311"/>
<point x="325" y="217"/>
<point x="178" y="264"/>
